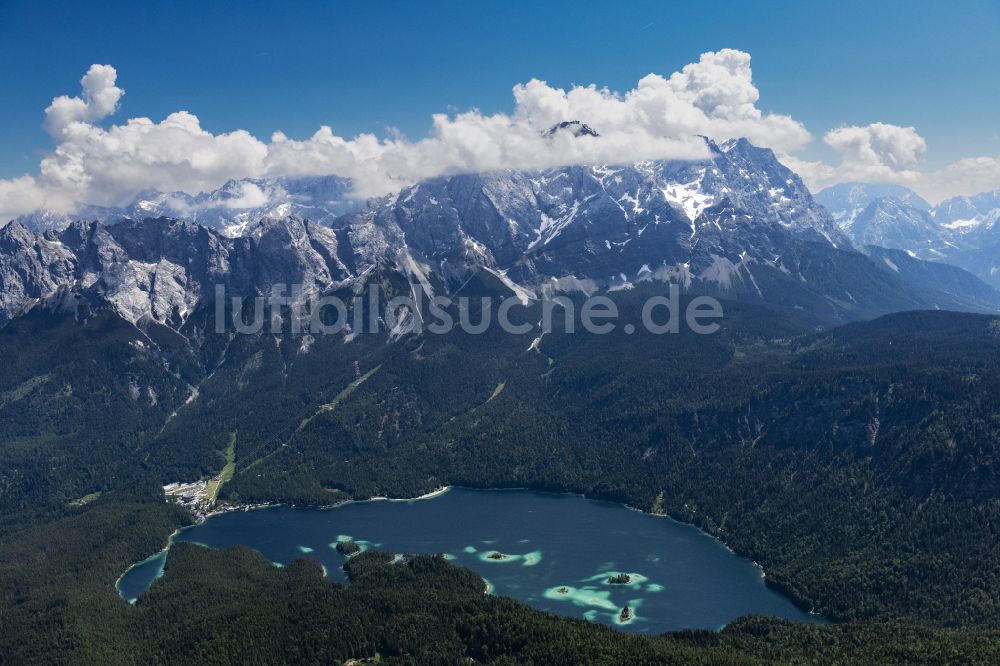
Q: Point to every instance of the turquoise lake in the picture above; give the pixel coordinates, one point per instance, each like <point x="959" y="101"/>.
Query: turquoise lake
<point x="554" y="552"/>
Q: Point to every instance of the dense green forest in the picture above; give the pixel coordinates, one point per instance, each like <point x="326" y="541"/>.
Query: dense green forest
<point x="77" y="398"/>
<point x="857" y="464"/>
<point x="58" y="605"/>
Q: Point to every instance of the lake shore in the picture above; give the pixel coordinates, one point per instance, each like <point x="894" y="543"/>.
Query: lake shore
<point x="487" y="530"/>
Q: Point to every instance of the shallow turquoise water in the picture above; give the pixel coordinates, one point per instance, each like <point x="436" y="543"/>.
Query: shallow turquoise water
<point x="557" y="553"/>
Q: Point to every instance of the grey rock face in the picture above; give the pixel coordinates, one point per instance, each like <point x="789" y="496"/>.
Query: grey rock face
<point x="163" y="269"/>
<point x="30" y="266"/>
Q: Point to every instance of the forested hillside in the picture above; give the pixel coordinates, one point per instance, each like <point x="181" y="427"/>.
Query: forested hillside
<point x="856" y="464"/>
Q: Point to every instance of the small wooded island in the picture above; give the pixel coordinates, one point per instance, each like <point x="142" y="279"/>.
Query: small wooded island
<point x="620" y="579"/>
<point x="626" y="614"/>
<point x="348" y="547"/>
<point x="496" y="555"/>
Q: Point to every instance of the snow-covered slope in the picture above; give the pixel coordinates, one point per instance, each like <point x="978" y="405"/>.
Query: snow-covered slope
<point x="611" y="224"/>
<point x="974" y="221"/>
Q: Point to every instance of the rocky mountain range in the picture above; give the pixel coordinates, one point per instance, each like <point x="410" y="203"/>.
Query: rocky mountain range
<point x="739" y="225"/>
<point x="962" y="231"/>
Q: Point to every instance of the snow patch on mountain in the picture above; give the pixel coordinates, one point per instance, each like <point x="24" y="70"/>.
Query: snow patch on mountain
<point x="689" y="197"/>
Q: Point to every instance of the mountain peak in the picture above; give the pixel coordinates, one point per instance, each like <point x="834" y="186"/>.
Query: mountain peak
<point x="574" y="127"/>
<point x="844" y="198"/>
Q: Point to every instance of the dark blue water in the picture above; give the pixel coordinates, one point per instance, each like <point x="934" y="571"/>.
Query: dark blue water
<point x="559" y="551"/>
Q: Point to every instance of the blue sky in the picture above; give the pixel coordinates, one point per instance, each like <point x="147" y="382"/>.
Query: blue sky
<point x="358" y="66"/>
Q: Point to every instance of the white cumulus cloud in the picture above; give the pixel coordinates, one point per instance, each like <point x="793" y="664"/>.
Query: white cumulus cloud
<point x="714" y="96"/>
<point x="100" y="99"/>
<point x="878" y="145"/>
<point x="885" y="153"/>
<point x="659" y="118"/>
<point x="878" y="152"/>
<point x="964" y="177"/>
